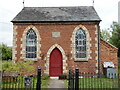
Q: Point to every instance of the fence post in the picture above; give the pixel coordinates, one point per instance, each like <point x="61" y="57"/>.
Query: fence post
<point x="69" y="80"/>
<point x="73" y="85"/>
<point x="38" y="86"/>
<point x="76" y="79"/>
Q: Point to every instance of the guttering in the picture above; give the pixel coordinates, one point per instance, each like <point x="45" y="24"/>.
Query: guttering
<point x="54" y="21"/>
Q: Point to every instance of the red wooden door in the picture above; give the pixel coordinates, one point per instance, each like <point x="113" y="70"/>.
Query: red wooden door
<point x="55" y="68"/>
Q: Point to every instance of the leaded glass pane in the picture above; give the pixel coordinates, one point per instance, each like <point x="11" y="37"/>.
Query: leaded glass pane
<point x="80" y="43"/>
<point x="31" y="44"/>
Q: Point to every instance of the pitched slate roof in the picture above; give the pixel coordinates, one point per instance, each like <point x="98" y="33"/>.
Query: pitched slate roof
<point x="53" y="14"/>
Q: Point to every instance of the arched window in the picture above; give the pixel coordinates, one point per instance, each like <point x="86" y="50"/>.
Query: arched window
<point x="31" y="44"/>
<point x="80" y="44"/>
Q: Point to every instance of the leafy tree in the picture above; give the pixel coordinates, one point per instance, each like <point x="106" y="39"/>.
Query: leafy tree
<point x="115" y="38"/>
<point x="6" y="52"/>
<point x="105" y="35"/>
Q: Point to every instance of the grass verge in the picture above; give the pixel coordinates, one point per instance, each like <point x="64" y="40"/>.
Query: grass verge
<point x="96" y="83"/>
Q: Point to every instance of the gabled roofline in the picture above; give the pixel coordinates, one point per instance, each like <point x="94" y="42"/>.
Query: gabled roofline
<point x="109" y="43"/>
<point x="57" y="14"/>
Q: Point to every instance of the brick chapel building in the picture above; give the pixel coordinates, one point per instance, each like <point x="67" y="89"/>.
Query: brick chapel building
<point x="61" y="38"/>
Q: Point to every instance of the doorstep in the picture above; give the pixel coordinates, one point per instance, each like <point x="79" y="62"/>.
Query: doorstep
<point x="54" y="78"/>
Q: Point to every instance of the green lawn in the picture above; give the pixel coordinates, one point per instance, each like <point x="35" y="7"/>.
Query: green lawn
<point x="19" y="82"/>
<point x="98" y="83"/>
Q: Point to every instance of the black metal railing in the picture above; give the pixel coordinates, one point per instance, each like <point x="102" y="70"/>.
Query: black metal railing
<point x="71" y="80"/>
<point x="22" y="82"/>
<point x="80" y="80"/>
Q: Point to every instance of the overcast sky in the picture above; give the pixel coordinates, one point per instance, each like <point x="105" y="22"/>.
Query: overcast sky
<point x="106" y="9"/>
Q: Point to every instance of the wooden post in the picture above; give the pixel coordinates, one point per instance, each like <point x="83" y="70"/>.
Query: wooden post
<point x="38" y="86"/>
<point x="76" y="79"/>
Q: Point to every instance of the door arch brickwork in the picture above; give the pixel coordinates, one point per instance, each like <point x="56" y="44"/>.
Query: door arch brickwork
<point x="46" y="71"/>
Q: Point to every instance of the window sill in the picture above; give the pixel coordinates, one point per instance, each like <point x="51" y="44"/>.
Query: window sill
<point x="81" y="60"/>
<point x="30" y="59"/>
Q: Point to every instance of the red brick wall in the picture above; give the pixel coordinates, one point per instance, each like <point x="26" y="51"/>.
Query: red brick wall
<point x="108" y="54"/>
<point x="64" y="41"/>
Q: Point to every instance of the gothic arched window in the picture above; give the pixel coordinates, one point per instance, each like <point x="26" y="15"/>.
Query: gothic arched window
<point x="31" y="44"/>
<point x="80" y="44"/>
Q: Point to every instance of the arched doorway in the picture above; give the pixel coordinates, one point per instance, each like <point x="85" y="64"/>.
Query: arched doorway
<point x="55" y="64"/>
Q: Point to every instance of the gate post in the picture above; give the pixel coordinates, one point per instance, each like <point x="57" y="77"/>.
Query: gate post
<point x="76" y="79"/>
<point x="38" y="85"/>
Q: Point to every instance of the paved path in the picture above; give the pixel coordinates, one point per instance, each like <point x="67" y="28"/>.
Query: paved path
<point x="55" y="83"/>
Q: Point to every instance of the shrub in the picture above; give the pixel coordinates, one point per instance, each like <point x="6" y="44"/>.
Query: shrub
<point x="25" y="67"/>
<point x="7" y="66"/>
<point x="45" y="77"/>
<point x="20" y="67"/>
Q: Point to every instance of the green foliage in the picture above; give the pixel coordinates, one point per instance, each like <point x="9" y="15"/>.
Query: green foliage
<point x="45" y="77"/>
<point x="7" y="66"/>
<point x="6" y="52"/>
<point x="119" y="64"/>
<point x="0" y="65"/>
<point x="25" y="67"/>
<point x="21" y="67"/>
<point x="115" y="38"/>
<point x="105" y="35"/>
